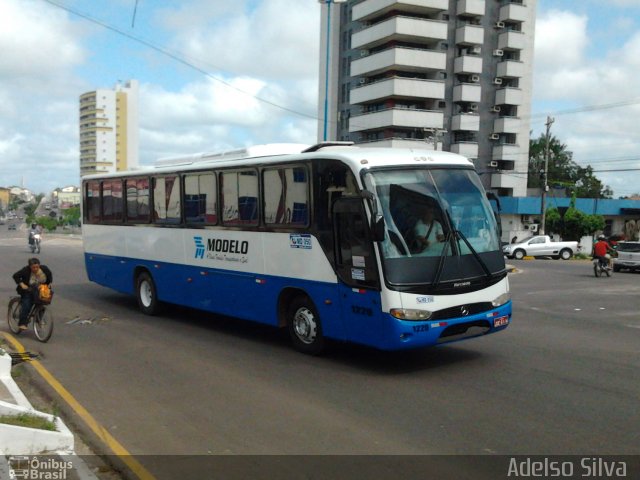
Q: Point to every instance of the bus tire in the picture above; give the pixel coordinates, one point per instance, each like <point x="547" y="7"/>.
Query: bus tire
<point x="146" y="294"/>
<point x="304" y="326"/>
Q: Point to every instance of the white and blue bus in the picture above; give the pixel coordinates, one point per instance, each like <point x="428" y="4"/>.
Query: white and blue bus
<point x="321" y="240"/>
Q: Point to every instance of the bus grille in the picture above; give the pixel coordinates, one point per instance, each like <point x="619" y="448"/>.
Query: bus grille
<point x="461" y="311"/>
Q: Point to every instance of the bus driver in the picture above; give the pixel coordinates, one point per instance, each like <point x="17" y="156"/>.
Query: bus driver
<point x="428" y="233"/>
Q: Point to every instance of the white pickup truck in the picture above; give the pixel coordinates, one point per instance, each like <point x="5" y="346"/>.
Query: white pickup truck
<point x="540" y="246"/>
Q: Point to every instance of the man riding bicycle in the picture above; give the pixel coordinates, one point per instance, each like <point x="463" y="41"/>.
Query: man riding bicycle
<point x="600" y="251"/>
<point x="28" y="279"/>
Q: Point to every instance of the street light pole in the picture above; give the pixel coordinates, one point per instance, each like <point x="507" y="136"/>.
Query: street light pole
<point x="326" y="72"/>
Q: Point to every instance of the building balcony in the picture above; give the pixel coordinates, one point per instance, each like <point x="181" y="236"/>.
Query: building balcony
<point x="511" y="40"/>
<point x="507" y="125"/>
<point x="405" y="59"/>
<point x="512" y="180"/>
<point x="506" y="153"/>
<point x="398" y="87"/>
<point x="465" y="121"/>
<point x="467" y="64"/>
<point x="466" y="149"/>
<point x="470" y="7"/>
<point x="375" y="8"/>
<point x="514" y="13"/>
<point x="510" y="69"/>
<point x="466" y="93"/>
<point x="396" y="117"/>
<point x="508" y="96"/>
<point x="404" y="29"/>
<point x="470" y="35"/>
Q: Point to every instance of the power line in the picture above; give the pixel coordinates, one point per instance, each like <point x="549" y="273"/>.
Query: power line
<point x="175" y="57"/>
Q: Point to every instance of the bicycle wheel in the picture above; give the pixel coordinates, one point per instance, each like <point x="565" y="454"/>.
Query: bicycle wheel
<point x="43" y="324"/>
<point x="13" y="315"/>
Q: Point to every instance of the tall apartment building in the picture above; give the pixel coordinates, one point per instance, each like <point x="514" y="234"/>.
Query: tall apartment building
<point x="451" y="73"/>
<point x="109" y="129"/>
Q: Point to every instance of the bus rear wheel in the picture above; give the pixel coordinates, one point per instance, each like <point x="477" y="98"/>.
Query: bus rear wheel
<point x="146" y="294"/>
<point x="304" y="326"/>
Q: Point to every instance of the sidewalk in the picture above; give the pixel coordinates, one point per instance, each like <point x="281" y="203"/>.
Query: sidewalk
<point x="25" y="451"/>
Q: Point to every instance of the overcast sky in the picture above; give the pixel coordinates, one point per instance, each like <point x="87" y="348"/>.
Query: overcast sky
<point x="256" y="75"/>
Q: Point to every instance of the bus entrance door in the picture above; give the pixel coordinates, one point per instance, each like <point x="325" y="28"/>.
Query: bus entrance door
<point x="357" y="270"/>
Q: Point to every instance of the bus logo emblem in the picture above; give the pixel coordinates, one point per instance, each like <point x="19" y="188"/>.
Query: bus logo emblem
<point x="199" y="247"/>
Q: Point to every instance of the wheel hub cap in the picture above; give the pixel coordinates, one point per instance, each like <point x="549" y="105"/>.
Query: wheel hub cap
<point x="304" y="324"/>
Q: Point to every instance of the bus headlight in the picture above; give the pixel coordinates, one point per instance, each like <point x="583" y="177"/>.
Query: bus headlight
<point x="501" y="300"/>
<point x="410" y="314"/>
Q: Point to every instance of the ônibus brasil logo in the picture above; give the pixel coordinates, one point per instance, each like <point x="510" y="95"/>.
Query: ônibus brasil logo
<point x="199" y="247"/>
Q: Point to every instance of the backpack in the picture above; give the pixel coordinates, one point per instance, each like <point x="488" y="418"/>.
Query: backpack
<point x="44" y="294"/>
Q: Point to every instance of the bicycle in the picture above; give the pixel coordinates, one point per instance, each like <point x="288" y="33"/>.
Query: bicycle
<point x="39" y="315"/>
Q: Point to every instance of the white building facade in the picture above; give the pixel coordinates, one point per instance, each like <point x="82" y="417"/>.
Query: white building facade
<point x="455" y="74"/>
<point x="109" y="129"/>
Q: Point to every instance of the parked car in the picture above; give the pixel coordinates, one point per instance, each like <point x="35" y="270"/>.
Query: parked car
<point x="11" y="227"/>
<point x="628" y="256"/>
<point x="540" y="246"/>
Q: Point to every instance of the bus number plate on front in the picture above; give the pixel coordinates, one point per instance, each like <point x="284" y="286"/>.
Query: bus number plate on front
<point x="501" y="321"/>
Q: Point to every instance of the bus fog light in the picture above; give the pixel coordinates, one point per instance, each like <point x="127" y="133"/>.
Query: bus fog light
<point x="501" y="300"/>
<point x="410" y="314"/>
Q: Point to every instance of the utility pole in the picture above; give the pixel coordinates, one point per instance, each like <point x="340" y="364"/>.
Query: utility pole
<point x="545" y="186"/>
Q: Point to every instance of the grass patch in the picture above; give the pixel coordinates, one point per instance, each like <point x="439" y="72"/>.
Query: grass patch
<point x="28" y="420"/>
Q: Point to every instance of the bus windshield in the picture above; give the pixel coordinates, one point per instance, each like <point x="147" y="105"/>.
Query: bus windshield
<point x="439" y="226"/>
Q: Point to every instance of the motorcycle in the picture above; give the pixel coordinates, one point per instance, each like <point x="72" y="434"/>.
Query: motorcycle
<point x="34" y="244"/>
<point x="600" y="267"/>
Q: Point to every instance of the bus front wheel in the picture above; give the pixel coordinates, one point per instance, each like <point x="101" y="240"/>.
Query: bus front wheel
<point x="146" y="294"/>
<point x="304" y="326"/>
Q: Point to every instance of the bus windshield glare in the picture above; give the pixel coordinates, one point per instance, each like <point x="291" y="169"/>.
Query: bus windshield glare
<point x="439" y="226"/>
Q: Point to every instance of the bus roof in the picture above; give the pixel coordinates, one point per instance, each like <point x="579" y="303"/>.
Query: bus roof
<point x="357" y="157"/>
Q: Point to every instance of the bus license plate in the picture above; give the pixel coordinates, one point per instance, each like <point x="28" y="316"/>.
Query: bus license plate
<point x="501" y="321"/>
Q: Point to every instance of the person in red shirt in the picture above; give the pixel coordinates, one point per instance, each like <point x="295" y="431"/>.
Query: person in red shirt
<point x="601" y="250"/>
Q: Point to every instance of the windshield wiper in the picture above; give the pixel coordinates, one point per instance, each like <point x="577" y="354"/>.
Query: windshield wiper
<point x="460" y="235"/>
<point x="443" y="256"/>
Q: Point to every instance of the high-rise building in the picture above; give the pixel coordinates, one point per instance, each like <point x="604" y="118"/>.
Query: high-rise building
<point x="109" y="129"/>
<point x="455" y="74"/>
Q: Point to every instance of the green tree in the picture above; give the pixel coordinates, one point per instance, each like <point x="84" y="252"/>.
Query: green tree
<point x="47" y="222"/>
<point x="553" y="221"/>
<point x="563" y="172"/>
<point x="575" y="224"/>
<point x="71" y="216"/>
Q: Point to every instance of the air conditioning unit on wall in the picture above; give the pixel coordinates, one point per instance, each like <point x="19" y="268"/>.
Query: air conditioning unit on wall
<point x="533" y="227"/>
<point x="498" y="53"/>
<point x="494" y="136"/>
<point x="499" y="25"/>
<point x="493" y="163"/>
<point x="475" y="78"/>
<point x="495" y="108"/>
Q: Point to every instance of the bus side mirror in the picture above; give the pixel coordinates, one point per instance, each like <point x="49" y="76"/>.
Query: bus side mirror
<point x="377" y="228"/>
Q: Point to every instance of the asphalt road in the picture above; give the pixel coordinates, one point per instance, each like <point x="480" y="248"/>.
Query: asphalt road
<point x="561" y="380"/>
